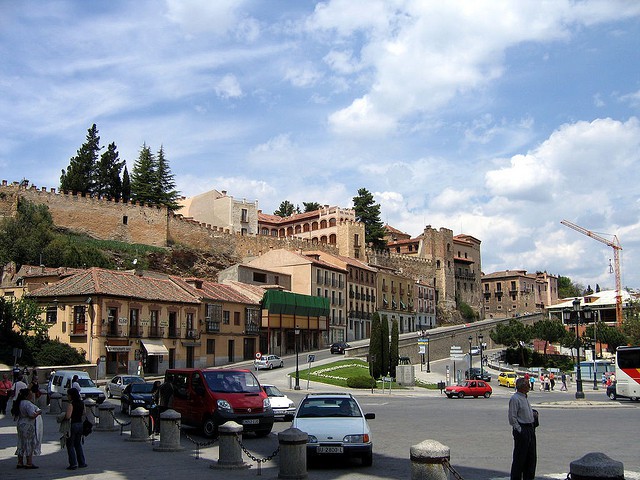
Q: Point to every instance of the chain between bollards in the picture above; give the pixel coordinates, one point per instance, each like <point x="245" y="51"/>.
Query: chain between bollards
<point x="448" y="466"/>
<point x="256" y="459"/>
<point x="198" y="445"/>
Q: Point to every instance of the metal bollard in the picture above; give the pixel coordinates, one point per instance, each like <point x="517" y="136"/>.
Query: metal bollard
<point x="169" y="432"/>
<point x="293" y="454"/>
<point x="428" y="459"/>
<point x="55" y="403"/>
<point x="230" y="451"/>
<point x="105" y="418"/>
<point x="139" y="425"/>
<point x="596" y="466"/>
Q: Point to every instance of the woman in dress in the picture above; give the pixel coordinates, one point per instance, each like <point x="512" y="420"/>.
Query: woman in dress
<point x="29" y="432"/>
<point x="75" y="413"/>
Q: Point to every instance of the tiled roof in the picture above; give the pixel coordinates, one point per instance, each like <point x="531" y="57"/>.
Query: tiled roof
<point x="390" y="229"/>
<point x="296" y="217"/>
<point x="32" y="271"/>
<point x="214" y="291"/>
<point x="98" y="281"/>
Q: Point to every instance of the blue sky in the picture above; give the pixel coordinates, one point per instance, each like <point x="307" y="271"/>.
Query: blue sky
<point x="496" y="119"/>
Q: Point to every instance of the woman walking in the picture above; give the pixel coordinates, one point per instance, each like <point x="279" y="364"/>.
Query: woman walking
<point x="75" y="413"/>
<point x="29" y="428"/>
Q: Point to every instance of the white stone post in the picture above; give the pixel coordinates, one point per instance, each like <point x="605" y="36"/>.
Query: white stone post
<point x="139" y="425"/>
<point x="105" y="418"/>
<point x="55" y="403"/>
<point x="596" y="466"/>
<point x="293" y="454"/>
<point x="169" y="432"/>
<point x="230" y="451"/>
<point x="427" y="461"/>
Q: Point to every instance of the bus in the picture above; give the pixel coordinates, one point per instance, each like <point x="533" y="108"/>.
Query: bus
<point x="628" y="372"/>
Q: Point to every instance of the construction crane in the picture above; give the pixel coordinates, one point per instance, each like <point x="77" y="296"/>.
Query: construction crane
<point x="615" y="244"/>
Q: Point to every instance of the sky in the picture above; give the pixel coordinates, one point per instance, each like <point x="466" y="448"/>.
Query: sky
<point x="496" y="119"/>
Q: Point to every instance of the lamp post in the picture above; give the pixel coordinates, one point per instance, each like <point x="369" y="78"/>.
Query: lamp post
<point x="428" y="359"/>
<point x="577" y="312"/>
<point x="595" y="341"/>
<point x="480" y="338"/>
<point x="470" y="356"/>
<point x="297" y="386"/>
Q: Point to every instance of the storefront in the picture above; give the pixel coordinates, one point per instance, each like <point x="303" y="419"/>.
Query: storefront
<point x="154" y="356"/>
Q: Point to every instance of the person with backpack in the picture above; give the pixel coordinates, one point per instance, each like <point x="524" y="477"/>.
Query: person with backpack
<point x="75" y="413"/>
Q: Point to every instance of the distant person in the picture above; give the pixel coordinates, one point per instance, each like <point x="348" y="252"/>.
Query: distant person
<point x="75" y="413"/>
<point x="522" y="421"/>
<point x="75" y="383"/>
<point x="6" y="387"/>
<point x="16" y="371"/>
<point x="552" y="380"/>
<point x="154" y="425"/>
<point x="165" y="401"/>
<point x="17" y="386"/>
<point x="563" y="378"/>
<point x="29" y="428"/>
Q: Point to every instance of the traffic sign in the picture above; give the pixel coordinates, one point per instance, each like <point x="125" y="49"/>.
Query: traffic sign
<point x="311" y="358"/>
<point x="258" y="355"/>
<point x="455" y="353"/>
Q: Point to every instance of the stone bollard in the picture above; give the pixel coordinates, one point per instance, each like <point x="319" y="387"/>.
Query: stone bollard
<point x="169" y="432"/>
<point x="65" y="402"/>
<point x="427" y="461"/>
<point x="596" y="466"/>
<point x="41" y="401"/>
<point x="139" y="425"/>
<point x="90" y="409"/>
<point x="105" y="418"/>
<point x="293" y="454"/>
<point x="230" y="451"/>
<point x="55" y="403"/>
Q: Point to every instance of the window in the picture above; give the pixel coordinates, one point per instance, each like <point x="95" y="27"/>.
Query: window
<point x="244" y="216"/>
<point x="259" y="277"/>
<point x="125" y="220"/>
<point x="134" y="315"/>
<point x="79" y="322"/>
<point x="52" y="314"/>
<point x="211" y="346"/>
<point x="236" y="318"/>
<point x="225" y="317"/>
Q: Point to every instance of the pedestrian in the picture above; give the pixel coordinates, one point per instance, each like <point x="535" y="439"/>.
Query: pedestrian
<point x="154" y="424"/>
<point x="17" y="386"/>
<point x="75" y="414"/>
<point x="6" y="386"/>
<point x="542" y="382"/>
<point x="552" y="380"/>
<point x="15" y="372"/>
<point x="29" y="428"/>
<point x="75" y="384"/>
<point x="563" y="378"/>
<point x="522" y="421"/>
<point x="165" y="400"/>
<point x="532" y="379"/>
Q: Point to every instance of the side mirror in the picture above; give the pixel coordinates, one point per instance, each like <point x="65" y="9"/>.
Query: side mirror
<point x="369" y="416"/>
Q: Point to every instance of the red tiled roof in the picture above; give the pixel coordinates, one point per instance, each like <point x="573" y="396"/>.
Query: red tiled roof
<point x="390" y="229"/>
<point x="98" y="281"/>
<point x="296" y="217"/>
<point x="214" y="291"/>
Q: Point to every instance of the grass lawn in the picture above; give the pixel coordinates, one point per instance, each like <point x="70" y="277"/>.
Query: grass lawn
<point x="337" y="373"/>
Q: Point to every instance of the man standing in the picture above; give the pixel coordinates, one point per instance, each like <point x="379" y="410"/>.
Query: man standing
<point x="521" y="419"/>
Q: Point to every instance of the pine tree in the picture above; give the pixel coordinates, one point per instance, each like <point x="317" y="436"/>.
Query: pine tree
<point x="368" y="212"/>
<point x="126" y="185"/>
<point x="311" y="206"/>
<point x="144" y="185"/>
<point x="286" y="209"/>
<point x="79" y="176"/>
<point x="166" y="185"/>
<point x="108" y="183"/>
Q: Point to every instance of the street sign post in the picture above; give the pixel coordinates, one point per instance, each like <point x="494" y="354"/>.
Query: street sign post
<point x="455" y="353"/>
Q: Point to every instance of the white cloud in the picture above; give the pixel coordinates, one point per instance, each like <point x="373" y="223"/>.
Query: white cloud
<point x="198" y="16"/>
<point x="228" y="87"/>
<point x="302" y="75"/>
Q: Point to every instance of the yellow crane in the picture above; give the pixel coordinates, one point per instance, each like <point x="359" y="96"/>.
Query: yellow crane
<point x="615" y="244"/>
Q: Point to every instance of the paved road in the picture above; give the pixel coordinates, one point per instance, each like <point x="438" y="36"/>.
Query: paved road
<point x="475" y="430"/>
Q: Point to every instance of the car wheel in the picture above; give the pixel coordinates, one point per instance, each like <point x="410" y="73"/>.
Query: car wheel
<point x="209" y="428"/>
<point x="449" y="395"/>
<point x="461" y="395"/>
<point x="487" y="394"/>
<point x="271" y="366"/>
<point x="264" y="432"/>
<point x="634" y="399"/>
<point x="367" y="459"/>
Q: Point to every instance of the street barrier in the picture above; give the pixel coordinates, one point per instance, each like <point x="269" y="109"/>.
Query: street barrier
<point x="293" y="454"/>
<point x="105" y="418"/>
<point x="55" y="403"/>
<point x="139" y="425"/>
<point x="596" y="466"/>
<point x="230" y="450"/>
<point x="169" y="432"/>
<point x="428" y="461"/>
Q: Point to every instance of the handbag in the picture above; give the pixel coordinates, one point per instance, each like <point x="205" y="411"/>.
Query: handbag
<point x="87" y="427"/>
<point x="536" y="416"/>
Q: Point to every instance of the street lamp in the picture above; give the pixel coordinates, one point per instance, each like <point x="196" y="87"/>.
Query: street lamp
<point x="297" y="334"/>
<point x="586" y="316"/>
<point x="480" y="338"/>
<point x="428" y="359"/>
<point x="470" y="356"/>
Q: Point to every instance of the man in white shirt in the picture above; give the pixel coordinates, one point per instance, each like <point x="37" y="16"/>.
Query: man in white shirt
<point x="522" y="419"/>
<point x="19" y="385"/>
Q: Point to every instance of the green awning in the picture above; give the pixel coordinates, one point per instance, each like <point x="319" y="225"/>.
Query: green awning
<point x="277" y="301"/>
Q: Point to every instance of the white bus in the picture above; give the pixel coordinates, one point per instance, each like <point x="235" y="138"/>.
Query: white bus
<point x="628" y="372"/>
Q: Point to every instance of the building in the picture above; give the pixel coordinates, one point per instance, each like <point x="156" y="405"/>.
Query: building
<point x="255" y="276"/>
<point x="511" y="293"/>
<point x="221" y="210"/>
<point x="425" y="306"/>
<point x="395" y="299"/>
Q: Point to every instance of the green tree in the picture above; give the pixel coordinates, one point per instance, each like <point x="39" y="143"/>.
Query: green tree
<point x="394" y="348"/>
<point x="144" y="186"/>
<point x="550" y="331"/>
<point x="166" y="184"/>
<point x="126" y="185"/>
<point x="514" y="334"/>
<point x="108" y="183"/>
<point x="368" y="212"/>
<point x="63" y="252"/>
<point x="286" y="209"/>
<point x="375" y="346"/>
<point x="23" y="238"/>
<point x="79" y="176"/>
<point x="567" y="289"/>
<point x="384" y="342"/>
<point x="311" y="206"/>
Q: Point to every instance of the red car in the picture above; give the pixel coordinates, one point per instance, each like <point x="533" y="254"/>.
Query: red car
<point x="470" y="388"/>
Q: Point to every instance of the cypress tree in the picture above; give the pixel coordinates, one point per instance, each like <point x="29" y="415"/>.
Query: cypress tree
<point x="144" y="185"/>
<point x="384" y="342"/>
<point x="394" y="348"/>
<point x="126" y="185"/>
<point x="368" y="212"/>
<point x="375" y="352"/>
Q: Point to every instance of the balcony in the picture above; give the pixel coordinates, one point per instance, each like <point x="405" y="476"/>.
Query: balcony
<point x="135" y="332"/>
<point x="78" y="330"/>
<point x="193" y="334"/>
<point x="156" y="332"/>
<point x="174" y="332"/>
<point x="252" y="328"/>
<point x="213" y="326"/>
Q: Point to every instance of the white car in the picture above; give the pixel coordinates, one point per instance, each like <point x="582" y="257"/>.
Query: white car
<point x="118" y="383"/>
<point x="268" y="361"/>
<point x="336" y="425"/>
<point x="280" y="403"/>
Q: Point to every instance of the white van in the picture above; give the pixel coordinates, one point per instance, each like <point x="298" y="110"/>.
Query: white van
<point x="61" y="381"/>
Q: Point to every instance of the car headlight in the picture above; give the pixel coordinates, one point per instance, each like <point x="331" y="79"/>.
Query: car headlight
<point x="266" y="404"/>
<point x="362" y="438"/>
<point x="292" y="405"/>
<point x="312" y="439"/>
<point x="224" y="406"/>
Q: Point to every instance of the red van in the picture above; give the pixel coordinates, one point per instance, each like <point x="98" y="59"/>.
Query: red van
<point x="207" y="398"/>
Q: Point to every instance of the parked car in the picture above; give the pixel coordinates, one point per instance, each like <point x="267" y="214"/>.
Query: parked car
<point x="336" y="425"/>
<point x="470" y="388"/>
<point x="60" y="382"/>
<point x="475" y="350"/>
<point x="339" y="347"/>
<point x="507" y="379"/>
<point x="268" y="361"/>
<point x="611" y="393"/>
<point x="475" y="373"/>
<point x="137" y="395"/>
<point x="207" y="398"/>
<point x="118" y="383"/>
<point x="280" y="403"/>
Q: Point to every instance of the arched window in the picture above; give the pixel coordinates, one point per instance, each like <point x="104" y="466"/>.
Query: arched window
<point x="281" y="232"/>
<point x="323" y="224"/>
<point x="332" y="239"/>
<point x="323" y="239"/>
<point x="314" y="226"/>
<point x="298" y="228"/>
<point x="289" y="231"/>
<point x="305" y="227"/>
<point x="332" y="222"/>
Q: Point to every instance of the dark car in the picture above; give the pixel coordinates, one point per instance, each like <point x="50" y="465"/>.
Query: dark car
<point x="137" y="395"/>
<point x="476" y="374"/>
<point x="339" y="347"/>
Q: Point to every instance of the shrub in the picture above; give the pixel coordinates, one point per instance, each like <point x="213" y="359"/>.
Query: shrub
<point x="361" y="382"/>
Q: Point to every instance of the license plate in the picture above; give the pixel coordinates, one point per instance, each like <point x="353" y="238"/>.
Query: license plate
<point x="329" y="450"/>
<point x="251" y="421"/>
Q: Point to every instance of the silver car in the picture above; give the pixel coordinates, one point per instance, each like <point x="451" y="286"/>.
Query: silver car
<point x="118" y="383"/>
<point x="268" y="361"/>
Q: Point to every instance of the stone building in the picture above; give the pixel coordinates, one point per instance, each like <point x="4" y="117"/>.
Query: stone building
<point x="396" y="302"/>
<point x="425" y="306"/>
<point x="222" y="210"/>
<point x="511" y="293"/>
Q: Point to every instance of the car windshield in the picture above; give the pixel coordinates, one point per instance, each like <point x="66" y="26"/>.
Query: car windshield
<point x="232" y="382"/>
<point x="329" y="407"/>
<point x="141" y="387"/>
<point x="86" y="382"/>
<point x="128" y="380"/>
<point x="273" y="391"/>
